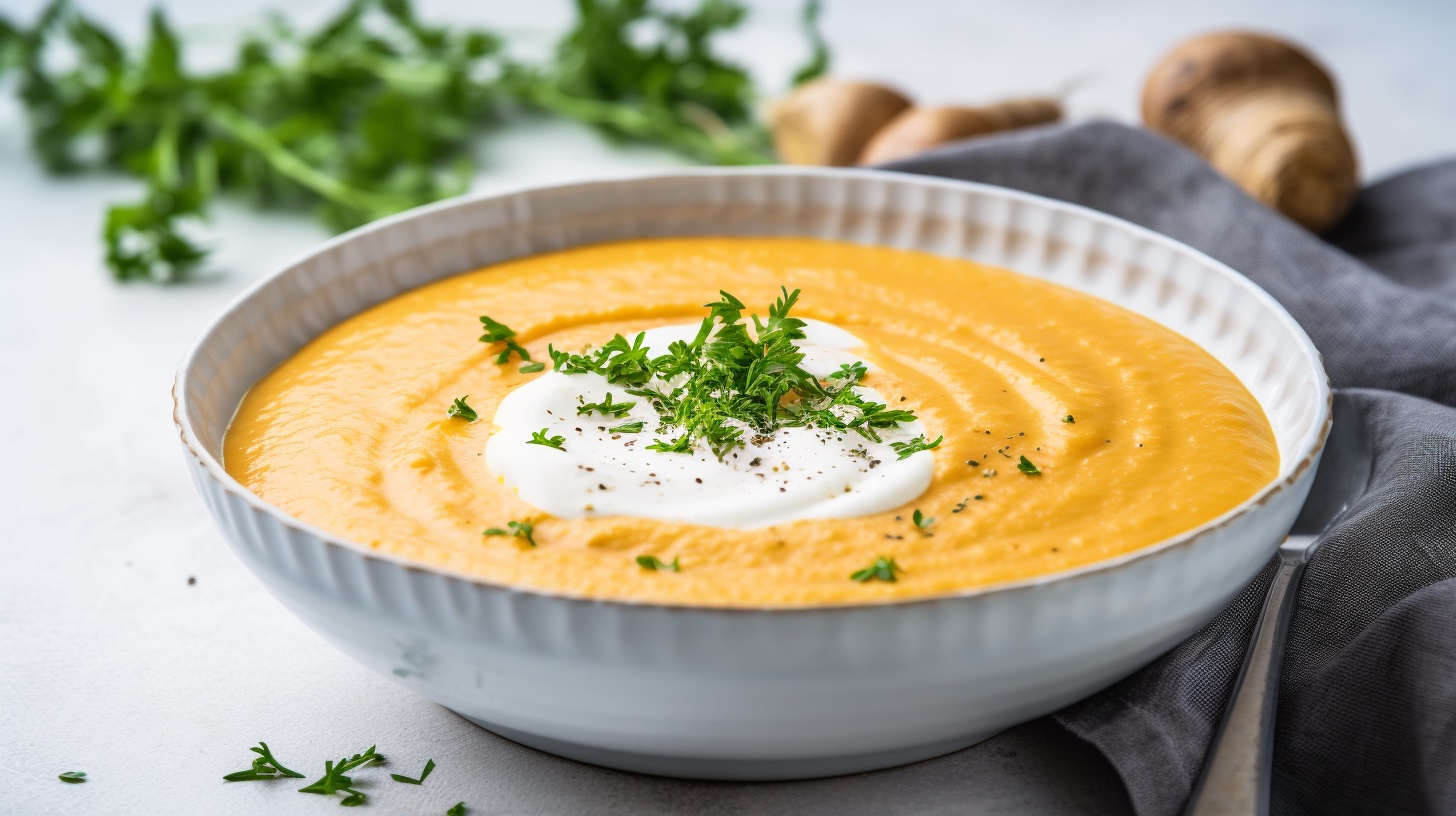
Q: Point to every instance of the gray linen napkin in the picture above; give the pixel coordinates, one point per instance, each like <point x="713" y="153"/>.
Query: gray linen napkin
<point x="1367" y="712"/>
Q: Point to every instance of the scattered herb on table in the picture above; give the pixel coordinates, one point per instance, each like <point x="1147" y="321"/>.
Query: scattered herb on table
<point x="336" y="779"/>
<point x="884" y="569"/>
<point x="264" y="767"/>
<point x="1025" y="466"/>
<point x="517" y="529"/>
<point x="372" y="113"/>
<point x="73" y="777"/>
<point x="734" y="374"/>
<point x="540" y="438"/>
<point x="462" y="410"/>
<point x="457" y="810"/>
<point x="429" y="766"/>
<point x="916" y="445"/>
<point x="652" y="562"/>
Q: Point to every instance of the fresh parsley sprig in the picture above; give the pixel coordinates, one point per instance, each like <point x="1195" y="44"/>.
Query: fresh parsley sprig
<point x="541" y="438"/>
<point x="264" y="767"/>
<point x="73" y="777"/>
<point x="497" y="332"/>
<point x="606" y="407"/>
<point x="461" y="409"/>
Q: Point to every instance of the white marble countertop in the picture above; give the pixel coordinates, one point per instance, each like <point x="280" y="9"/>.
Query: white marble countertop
<point x="112" y="663"/>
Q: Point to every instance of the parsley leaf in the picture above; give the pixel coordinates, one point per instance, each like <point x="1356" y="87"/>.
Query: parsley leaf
<point x="1025" y="466"/>
<point x="532" y="368"/>
<point x="884" y="569"/>
<point x="336" y="779"/>
<point x="1068" y="418"/>
<point x="652" y="562"/>
<point x="540" y="438"/>
<point x="914" y="446"/>
<point x="518" y="529"/>
<point x="429" y="766"/>
<point x="627" y="427"/>
<point x="73" y="777"/>
<point x="462" y="410"/>
<point x="457" y="810"/>
<point x="264" y="767"/>
<point x="922" y="521"/>
<point x="606" y="407"/>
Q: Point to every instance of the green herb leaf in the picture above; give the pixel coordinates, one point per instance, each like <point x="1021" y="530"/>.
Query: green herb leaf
<point x="1025" y="466"/>
<point x="1068" y="418"/>
<point x="914" y="446"/>
<point x="518" y="529"/>
<point x="462" y="410"/>
<point x="540" y="438"/>
<point x="850" y="372"/>
<point x="922" y="521"/>
<point x="884" y="569"/>
<point x="429" y="766"/>
<point x="532" y="368"/>
<point x="73" y="777"/>
<point x="818" y="63"/>
<point x="336" y="778"/>
<point x="457" y="810"/>
<point x="264" y="767"/>
<point x="606" y="407"/>
<point x="627" y="427"/>
<point x="652" y="562"/>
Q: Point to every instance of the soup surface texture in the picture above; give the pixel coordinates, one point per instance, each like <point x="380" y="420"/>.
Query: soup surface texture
<point x="1135" y="433"/>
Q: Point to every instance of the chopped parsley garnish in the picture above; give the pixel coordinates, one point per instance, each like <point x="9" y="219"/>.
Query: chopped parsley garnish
<point x="518" y="529"/>
<point x="922" y="521"/>
<point x="540" y="438"/>
<point x="1025" y="466"/>
<point x="627" y="427"/>
<point x="264" y="767"/>
<point x="1068" y="418"/>
<point x="652" y="562"/>
<point x="735" y="377"/>
<point x="849" y="372"/>
<point x="73" y="777"/>
<point x="532" y="368"/>
<point x="458" y="810"/>
<point x="883" y="569"/>
<point x="462" y="410"/>
<point x="916" y="445"/>
<point x="429" y="766"/>
<point x="606" y="407"/>
<point x="961" y="505"/>
<point x="497" y="332"/>
<point x="336" y="780"/>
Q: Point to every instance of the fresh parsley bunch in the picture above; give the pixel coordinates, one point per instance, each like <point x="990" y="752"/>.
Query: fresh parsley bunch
<point x="371" y="114"/>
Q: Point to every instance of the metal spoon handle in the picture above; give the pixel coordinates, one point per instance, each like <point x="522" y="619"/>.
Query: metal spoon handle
<point x="1235" y="779"/>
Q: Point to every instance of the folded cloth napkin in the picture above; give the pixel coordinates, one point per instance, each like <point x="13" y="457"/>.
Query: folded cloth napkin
<point x="1367" y="708"/>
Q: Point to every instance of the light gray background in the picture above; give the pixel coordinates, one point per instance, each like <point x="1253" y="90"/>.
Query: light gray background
<point x="112" y="664"/>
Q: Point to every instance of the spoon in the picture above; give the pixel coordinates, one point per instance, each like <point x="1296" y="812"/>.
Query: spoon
<point x="1235" y="778"/>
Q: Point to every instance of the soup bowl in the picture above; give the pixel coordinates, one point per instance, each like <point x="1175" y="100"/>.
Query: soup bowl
<point x="758" y="693"/>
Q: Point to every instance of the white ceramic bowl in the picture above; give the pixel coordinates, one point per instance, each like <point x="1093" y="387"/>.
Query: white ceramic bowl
<point x="758" y="693"/>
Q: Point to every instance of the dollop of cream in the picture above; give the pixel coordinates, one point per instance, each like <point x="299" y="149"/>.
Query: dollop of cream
<point x="792" y="474"/>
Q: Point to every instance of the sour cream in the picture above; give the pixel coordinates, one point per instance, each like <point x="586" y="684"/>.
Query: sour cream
<point x="793" y="474"/>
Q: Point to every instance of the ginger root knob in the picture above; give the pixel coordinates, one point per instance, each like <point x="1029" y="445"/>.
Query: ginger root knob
<point x="919" y="129"/>
<point x="1263" y="113"/>
<point x="828" y="121"/>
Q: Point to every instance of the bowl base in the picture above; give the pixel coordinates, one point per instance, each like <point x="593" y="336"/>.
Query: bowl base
<point x="738" y="770"/>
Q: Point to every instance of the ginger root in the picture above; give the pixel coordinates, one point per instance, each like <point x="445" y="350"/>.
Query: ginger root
<point x="1263" y="113"/>
<point x="829" y="121"/>
<point x="919" y="129"/>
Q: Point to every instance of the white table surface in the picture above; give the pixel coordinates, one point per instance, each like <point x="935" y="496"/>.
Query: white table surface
<point x="111" y="663"/>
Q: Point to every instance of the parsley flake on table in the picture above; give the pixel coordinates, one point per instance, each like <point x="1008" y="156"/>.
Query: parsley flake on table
<point x="884" y="569"/>
<point x="264" y="767"/>
<point x="457" y="810"/>
<point x="73" y="777"/>
<point x="429" y="766"/>
<point x="336" y="779"/>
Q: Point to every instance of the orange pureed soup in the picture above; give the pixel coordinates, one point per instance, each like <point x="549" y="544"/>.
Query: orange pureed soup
<point x="1134" y="432"/>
